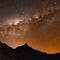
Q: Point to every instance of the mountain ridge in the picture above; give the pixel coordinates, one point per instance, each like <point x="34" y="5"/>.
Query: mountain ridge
<point x="24" y="52"/>
<point x="25" y="45"/>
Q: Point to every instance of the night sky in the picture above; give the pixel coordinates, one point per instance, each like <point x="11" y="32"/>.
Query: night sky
<point x="35" y="22"/>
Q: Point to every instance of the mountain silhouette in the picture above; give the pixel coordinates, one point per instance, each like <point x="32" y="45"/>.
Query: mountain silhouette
<point x="24" y="52"/>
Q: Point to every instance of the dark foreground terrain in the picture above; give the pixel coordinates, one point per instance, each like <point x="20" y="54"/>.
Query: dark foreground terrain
<point x="24" y="53"/>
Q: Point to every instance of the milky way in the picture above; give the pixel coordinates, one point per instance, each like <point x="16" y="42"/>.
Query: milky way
<point x="36" y="22"/>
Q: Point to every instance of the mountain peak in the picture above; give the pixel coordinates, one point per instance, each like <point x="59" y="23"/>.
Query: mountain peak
<point x="26" y="45"/>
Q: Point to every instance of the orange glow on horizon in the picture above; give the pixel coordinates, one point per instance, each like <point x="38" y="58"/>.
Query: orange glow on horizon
<point x="45" y="49"/>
